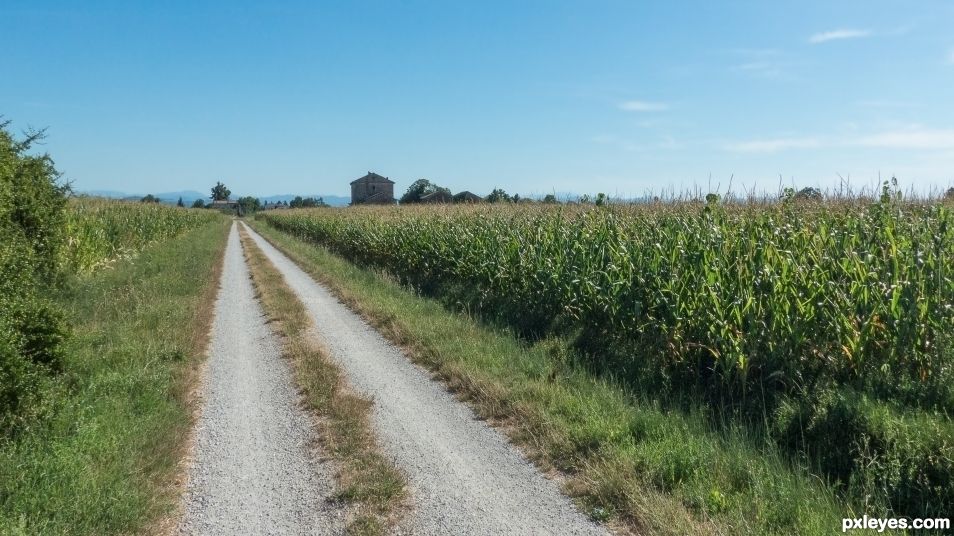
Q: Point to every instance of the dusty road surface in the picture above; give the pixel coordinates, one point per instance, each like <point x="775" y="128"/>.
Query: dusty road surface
<point x="465" y="478"/>
<point x="252" y="471"/>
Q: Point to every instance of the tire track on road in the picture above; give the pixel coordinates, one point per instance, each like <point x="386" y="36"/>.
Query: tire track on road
<point x="252" y="470"/>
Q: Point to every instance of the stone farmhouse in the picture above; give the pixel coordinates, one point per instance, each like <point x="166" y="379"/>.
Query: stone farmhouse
<point x="372" y="189"/>
<point x="227" y="206"/>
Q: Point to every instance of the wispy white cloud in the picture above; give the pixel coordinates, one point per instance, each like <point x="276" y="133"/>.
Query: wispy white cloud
<point x="754" y="52"/>
<point x="669" y="142"/>
<point x="772" y="145"/>
<point x="914" y="137"/>
<point x="843" y="33"/>
<point x="769" y="63"/>
<point x="665" y="143"/>
<point x="767" y="69"/>
<point x="643" y="106"/>
<point x="910" y="138"/>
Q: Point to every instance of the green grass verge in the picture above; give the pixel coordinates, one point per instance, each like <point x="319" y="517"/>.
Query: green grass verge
<point x="625" y="459"/>
<point x="368" y="482"/>
<point x="106" y="461"/>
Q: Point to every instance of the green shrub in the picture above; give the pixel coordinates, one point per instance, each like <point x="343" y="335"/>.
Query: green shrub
<point x="32" y="329"/>
<point x="874" y="449"/>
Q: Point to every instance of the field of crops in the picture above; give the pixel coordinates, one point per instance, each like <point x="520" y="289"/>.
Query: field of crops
<point x="823" y="323"/>
<point x="100" y="231"/>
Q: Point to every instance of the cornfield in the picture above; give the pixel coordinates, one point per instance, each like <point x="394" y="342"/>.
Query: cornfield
<point x="98" y="231"/>
<point x="780" y="292"/>
<point x="817" y="323"/>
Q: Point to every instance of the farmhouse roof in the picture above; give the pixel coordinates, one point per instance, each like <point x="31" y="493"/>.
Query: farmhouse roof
<point x="372" y="177"/>
<point x="467" y="197"/>
<point x="439" y="196"/>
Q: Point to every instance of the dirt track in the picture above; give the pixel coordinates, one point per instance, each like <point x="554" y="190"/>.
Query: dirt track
<point x="252" y="471"/>
<point x="465" y="478"/>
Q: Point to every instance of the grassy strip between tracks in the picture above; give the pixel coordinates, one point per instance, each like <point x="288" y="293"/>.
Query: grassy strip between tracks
<point x="107" y="460"/>
<point x="622" y="456"/>
<point x="368" y="482"/>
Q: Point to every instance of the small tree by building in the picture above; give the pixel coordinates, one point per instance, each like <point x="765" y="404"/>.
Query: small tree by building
<point x="220" y="192"/>
<point x="810" y="194"/>
<point x="149" y="199"/>
<point x="419" y="189"/>
<point x="550" y="199"/>
<point x="498" y="195"/>
<point x="180" y="203"/>
<point x="307" y="202"/>
<point x="198" y="203"/>
<point x="249" y="204"/>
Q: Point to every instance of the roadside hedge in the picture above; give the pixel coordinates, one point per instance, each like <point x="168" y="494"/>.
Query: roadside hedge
<point x="32" y="328"/>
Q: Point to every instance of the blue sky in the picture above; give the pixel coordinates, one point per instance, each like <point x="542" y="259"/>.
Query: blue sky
<point x="534" y="97"/>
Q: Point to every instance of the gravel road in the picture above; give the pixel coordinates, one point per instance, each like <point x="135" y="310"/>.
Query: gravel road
<point x="465" y="478"/>
<point x="252" y="470"/>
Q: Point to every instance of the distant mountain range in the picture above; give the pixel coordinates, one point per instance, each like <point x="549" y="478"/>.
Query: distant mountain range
<point x="189" y="196"/>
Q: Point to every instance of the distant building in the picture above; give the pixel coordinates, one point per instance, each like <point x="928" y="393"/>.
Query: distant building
<point x="223" y="203"/>
<point x="226" y="205"/>
<point x="372" y="189"/>
<point x="467" y="197"/>
<point x="439" y="196"/>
